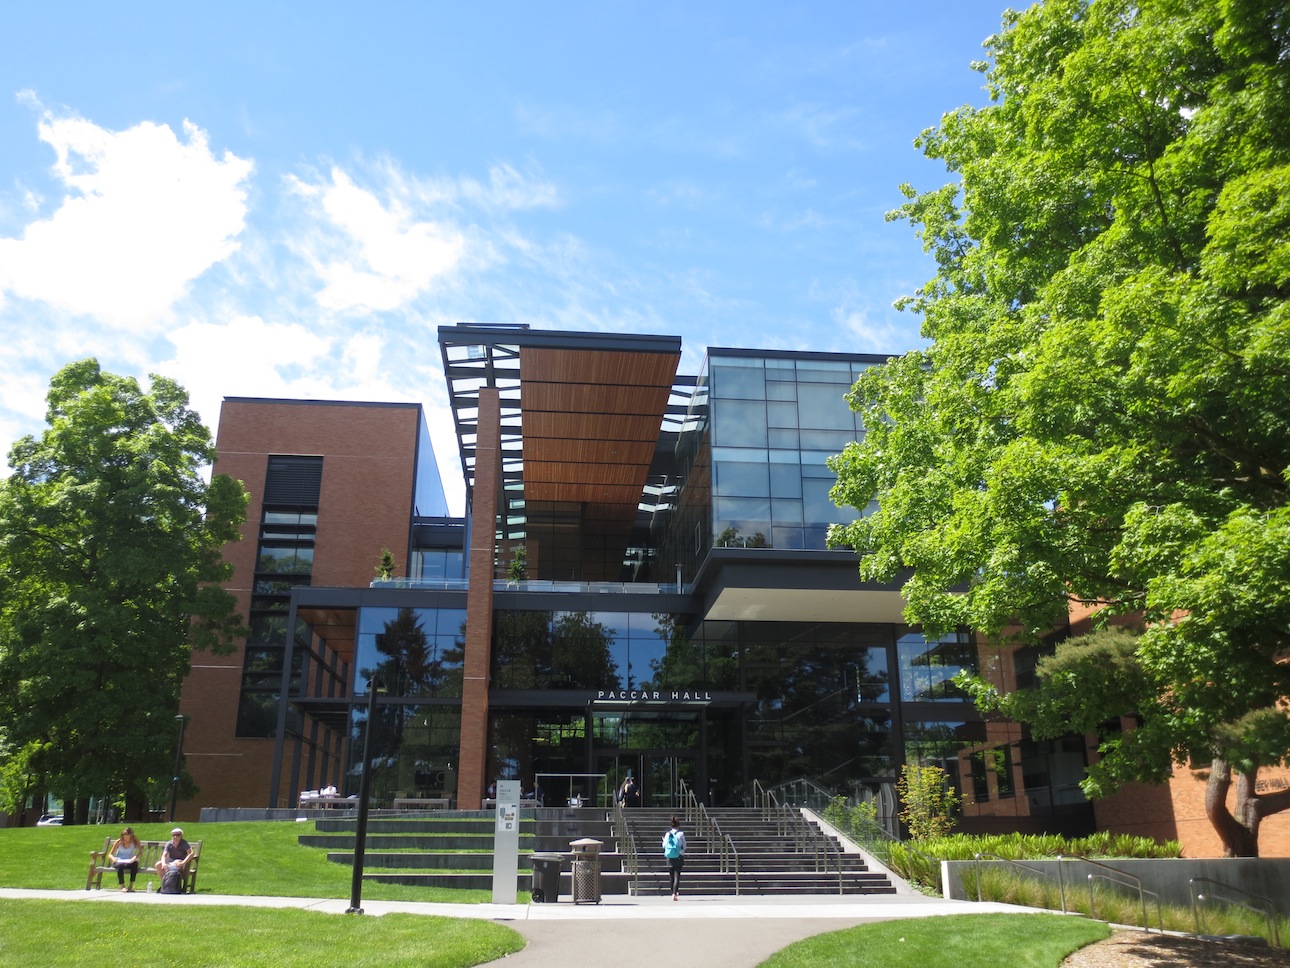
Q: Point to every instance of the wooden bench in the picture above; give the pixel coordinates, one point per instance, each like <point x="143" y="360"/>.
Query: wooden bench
<point x="422" y="803"/>
<point x="149" y="854"/>
<point x="328" y="803"/>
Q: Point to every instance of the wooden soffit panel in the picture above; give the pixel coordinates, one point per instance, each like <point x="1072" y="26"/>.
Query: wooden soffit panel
<point x="590" y="421"/>
<point x="336" y="626"/>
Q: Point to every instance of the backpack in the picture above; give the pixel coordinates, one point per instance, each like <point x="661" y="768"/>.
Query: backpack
<point x="172" y="882"/>
<point x="671" y="845"/>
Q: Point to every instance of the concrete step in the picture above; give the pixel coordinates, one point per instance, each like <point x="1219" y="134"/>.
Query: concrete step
<point x="455" y="851"/>
<point x="617" y="883"/>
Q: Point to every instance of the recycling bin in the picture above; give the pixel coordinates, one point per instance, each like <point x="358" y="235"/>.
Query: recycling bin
<point x="546" y="877"/>
<point x="586" y="870"/>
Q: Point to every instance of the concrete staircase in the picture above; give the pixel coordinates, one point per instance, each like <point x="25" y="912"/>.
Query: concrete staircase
<point x="768" y="857"/>
<point x="441" y="849"/>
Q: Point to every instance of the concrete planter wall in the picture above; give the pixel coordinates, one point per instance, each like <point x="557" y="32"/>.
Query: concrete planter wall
<point x="1169" y="878"/>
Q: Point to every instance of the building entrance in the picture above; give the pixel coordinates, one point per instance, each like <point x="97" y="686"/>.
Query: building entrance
<point x="664" y="750"/>
<point x="660" y="774"/>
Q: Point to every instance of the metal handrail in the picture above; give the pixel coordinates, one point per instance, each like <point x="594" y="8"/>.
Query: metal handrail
<point x="1061" y="885"/>
<point x="627" y="845"/>
<point x="803" y="791"/>
<point x="819" y="836"/>
<point x="763" y="799"/>
<point x="1270" y="912"/>
<point x="704" y="825"/>
<point x="689" y="803"/>
<point x="1123" y="878"/>
<point x="885" y="836"/>
<point x="727" y="851"/>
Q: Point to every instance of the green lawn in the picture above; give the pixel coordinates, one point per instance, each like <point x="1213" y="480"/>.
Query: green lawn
<point x="54" y="934"/>
<point x="964" y="941"/>
<point x="264" y="859"/>
<point x="259" y="858"/>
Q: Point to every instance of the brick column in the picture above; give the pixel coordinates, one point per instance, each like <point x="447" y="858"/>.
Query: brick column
<point x="479" y="603"/>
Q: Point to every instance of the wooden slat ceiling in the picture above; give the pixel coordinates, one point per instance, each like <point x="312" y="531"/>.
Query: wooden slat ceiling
<point x="590" y="421"/>
<point x="336" y="626"/>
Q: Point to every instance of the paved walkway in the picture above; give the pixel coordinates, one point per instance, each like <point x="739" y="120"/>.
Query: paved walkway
<point x="621" y="931"/>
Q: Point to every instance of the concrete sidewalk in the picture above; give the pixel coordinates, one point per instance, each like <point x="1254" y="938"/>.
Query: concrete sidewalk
<point x="621" y="931"/>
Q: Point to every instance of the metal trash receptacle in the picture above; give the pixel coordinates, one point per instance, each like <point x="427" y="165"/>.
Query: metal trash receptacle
<point x="546" y="877"/>
<point x="586" y="870"/>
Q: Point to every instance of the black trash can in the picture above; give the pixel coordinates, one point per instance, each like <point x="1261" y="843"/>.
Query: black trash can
<point x="546" y="877"/>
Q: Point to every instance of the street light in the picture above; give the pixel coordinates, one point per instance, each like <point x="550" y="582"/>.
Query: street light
<point x="364" y="792"/>
<point x="174" y="780"/>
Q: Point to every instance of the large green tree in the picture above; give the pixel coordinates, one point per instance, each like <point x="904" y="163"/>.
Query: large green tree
<point x="1102" y="415"/>
<point x="110" y="567"/>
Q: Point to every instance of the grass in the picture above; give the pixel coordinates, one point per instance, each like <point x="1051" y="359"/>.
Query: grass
<point x="264" y="858"/>
<point x="261" y="858"/>
<point x="56" y="934"/>
<point x="965" y="941"/>
<point x="1117" y="906"/>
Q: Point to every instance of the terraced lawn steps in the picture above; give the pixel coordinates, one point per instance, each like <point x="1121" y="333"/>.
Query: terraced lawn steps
<point x="454" y="849"/>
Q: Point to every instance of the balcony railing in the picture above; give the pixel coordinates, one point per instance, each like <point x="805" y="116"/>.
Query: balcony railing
<point x="502" y="585"/>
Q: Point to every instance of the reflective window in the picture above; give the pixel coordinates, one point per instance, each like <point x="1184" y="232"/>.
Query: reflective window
<point x="412" y="651"/>
<point x="927" y="668"/>
<point x="940" y="744"/>
<point x="741" y="479"/>
<point x="588" y="650"/>
<point x="822" y="407"/>
<point x="438" y="565"/>
<point x="738" y="377"/>
<point x="736" y="423"/>
<point x="414" y="750"/>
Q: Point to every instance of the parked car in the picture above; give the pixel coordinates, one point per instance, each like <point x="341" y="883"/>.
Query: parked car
<point x="50" y="820"/>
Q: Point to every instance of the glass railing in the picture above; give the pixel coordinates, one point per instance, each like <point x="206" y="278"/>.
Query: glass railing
<point x="502" y="585"/>
<point x="450" y="585"/>
<point x="605" y="587"/>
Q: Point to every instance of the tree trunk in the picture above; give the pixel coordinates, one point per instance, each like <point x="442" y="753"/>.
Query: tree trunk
<point x="81" y="811"/>
<point x="1237" y="838"/>
<point x="136" y="808"/>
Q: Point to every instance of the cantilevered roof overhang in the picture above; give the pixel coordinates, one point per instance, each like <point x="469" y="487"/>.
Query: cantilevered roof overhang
<point x="581" y="415"/>
<point x="735" y="584"/>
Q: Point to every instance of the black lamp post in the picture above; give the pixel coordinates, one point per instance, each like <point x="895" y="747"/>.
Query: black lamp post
<point x="364" y="793"/>
<point x="179" y="754"/>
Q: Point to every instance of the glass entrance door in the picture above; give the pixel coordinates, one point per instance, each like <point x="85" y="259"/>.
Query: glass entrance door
<point x="660" y="749"/>
<point x="659" y="774"/>
<point x="665" y="774"/>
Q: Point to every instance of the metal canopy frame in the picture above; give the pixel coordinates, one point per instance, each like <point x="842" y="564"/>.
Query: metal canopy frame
<point x="588" y="421"/>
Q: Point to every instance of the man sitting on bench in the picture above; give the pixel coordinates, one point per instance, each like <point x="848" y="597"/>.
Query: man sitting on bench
<point x="176" y="855"/>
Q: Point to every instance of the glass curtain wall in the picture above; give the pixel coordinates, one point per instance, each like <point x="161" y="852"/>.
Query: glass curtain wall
<point x="774" y="424"/>
<point x="414" y="656"/>
<point x="585" y="649"/>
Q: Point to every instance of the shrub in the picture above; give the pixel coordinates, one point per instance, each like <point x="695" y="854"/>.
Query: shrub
<point x="928" y="801"/>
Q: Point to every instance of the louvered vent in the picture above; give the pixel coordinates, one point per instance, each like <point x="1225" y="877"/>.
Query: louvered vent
<point x="293" y="481"/>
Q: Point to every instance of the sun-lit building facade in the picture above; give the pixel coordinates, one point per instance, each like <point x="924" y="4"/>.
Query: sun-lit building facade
<point x="640" y="584"/>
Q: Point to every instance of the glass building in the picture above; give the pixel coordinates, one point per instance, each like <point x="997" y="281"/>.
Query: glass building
<point x="641" y="585"/>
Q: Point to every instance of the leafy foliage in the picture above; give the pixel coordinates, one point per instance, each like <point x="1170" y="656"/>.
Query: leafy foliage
<point x="1016" y="846"/>
<point x="927" y="800"/>
<point x="109" y="576"/>
<point x="1102" y="417"/>
<point x="851" y="818"/>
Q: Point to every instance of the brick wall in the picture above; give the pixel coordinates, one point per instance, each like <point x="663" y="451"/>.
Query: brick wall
<point x="369" y="462"/>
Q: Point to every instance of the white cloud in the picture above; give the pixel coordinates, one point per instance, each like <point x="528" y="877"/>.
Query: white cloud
<point x="244" y="357"/>
<point x="145" y="213"/>
<point x="509" y="190"/>
<point x="872" y="332"/>
<point x="379" y="257"/>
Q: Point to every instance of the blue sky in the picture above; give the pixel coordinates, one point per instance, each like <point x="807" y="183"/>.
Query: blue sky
<point x="277" y="199"/>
